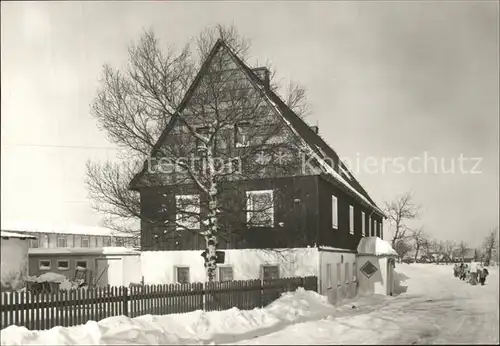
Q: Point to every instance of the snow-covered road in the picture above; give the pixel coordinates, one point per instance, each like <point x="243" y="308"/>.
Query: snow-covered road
<point x="436" y="309"/>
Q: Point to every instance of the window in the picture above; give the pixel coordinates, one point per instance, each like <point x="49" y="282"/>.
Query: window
<point x="62" y="241"/>
<point x="81" y="264"/>
<point x="106" y="241"/>
<point x="119" y="241"/>
<point x="63" y="264"/>
<point x="354" y="278"/>
<point x="270" y="272"/>
<point x="260" y="208"/>
<point x="182" y="275"/>
<point x="369" y="226"/>
<point x="381" y="230"/>
<point x="44" y="264"/>
<point x="351" y="219"/>
<point x="33" y="243"/>
<point x="96" y="242"/>
<point x="346" y="272"/>
<point x="200" y="145"/>
<point x="339" y="274"/>
<point x="188" y="209"/>
<point x="85" y="242"/>
<point x="335" y="213"/>
<point x="363" y="224"/>
<point x="241" y="135"/>
<point x="225" y="274"/>
<point x="329" y="275"/>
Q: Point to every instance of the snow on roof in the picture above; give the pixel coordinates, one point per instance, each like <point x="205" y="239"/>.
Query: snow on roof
<point x="6" y="234"/>
<point x="375" y="246"/>
<point x="61" y="229"/>
<point x="84" y="251"/>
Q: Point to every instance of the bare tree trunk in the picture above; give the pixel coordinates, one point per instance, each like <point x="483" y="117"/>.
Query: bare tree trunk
<point x="211" y="236"/>
<point x="416" y="252"/>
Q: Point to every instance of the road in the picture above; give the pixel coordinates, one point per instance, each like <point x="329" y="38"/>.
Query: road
<point x="437" y="308"/>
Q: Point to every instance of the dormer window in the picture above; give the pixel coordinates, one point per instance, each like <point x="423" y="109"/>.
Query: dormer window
<point x="241" y="135"/>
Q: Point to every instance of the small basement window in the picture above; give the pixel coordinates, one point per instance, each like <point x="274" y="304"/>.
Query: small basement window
<point x="63" y="264"/>
<point x="270" y="272"/>
<point x="81" y="264"/>
<point x="225" y="274"/>
<point x="44" y="265"/>
<point x="182" y="275"/>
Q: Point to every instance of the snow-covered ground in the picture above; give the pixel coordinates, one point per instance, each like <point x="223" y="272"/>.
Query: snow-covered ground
<point x="436" y="308"/>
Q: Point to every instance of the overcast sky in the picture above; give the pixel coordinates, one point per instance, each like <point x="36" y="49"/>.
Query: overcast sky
<point x="386" y="80"/>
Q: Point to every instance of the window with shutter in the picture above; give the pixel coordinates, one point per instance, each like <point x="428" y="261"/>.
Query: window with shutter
<point x="188" y="210"/>
<point x="260" y="208"/>
<point x="335" y="213"/>
<point x="363" y="224"/>
<point x="351" y="219"/>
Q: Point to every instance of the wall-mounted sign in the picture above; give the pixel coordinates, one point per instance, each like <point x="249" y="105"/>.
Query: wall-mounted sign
<point x="368" y="269"/>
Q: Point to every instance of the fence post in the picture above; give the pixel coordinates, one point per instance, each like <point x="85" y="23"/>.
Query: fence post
<point x="125" y="300"/>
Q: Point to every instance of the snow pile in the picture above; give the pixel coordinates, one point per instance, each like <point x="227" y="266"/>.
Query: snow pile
<point x="195" y="327"/>
<point x="375" y="246"/>
<point x="64" y="283"/>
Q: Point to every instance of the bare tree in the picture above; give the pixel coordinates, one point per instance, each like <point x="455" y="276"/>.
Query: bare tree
<point x="402" y="247"/>
<point x="462" y="249"/>
<point x="136" y="104"/>
<point x="420" y="240"/>
<point x="399" y="212"/>
<point x="490" y="246"/>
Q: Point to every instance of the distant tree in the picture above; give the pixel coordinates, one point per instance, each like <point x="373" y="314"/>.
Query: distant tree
<point x="402" y="247"/>
<point x="399" y="212"/>
<point x="490" y="246"/>
<point x="420" y="240"/>
<point x="462" y="249"/>
<point x="449" y="248"/>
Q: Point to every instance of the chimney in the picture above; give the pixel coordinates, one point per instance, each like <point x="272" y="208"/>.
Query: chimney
<point x="315" y="129"/>
<point x="263" y="74"/>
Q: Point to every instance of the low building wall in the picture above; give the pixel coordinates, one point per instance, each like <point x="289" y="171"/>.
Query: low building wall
<point x="160" y="267"/>
<point x="338" y="279"/>
<point x="379" y="282"/>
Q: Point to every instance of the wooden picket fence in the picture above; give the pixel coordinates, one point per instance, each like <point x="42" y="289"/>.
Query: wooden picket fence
<point x="70" y="308"/>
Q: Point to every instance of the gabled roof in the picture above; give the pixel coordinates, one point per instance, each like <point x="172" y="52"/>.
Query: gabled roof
<point x="312" y="143"/>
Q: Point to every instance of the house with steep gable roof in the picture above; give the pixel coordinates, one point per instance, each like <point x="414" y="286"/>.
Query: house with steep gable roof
<point x="317" y="205"/>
